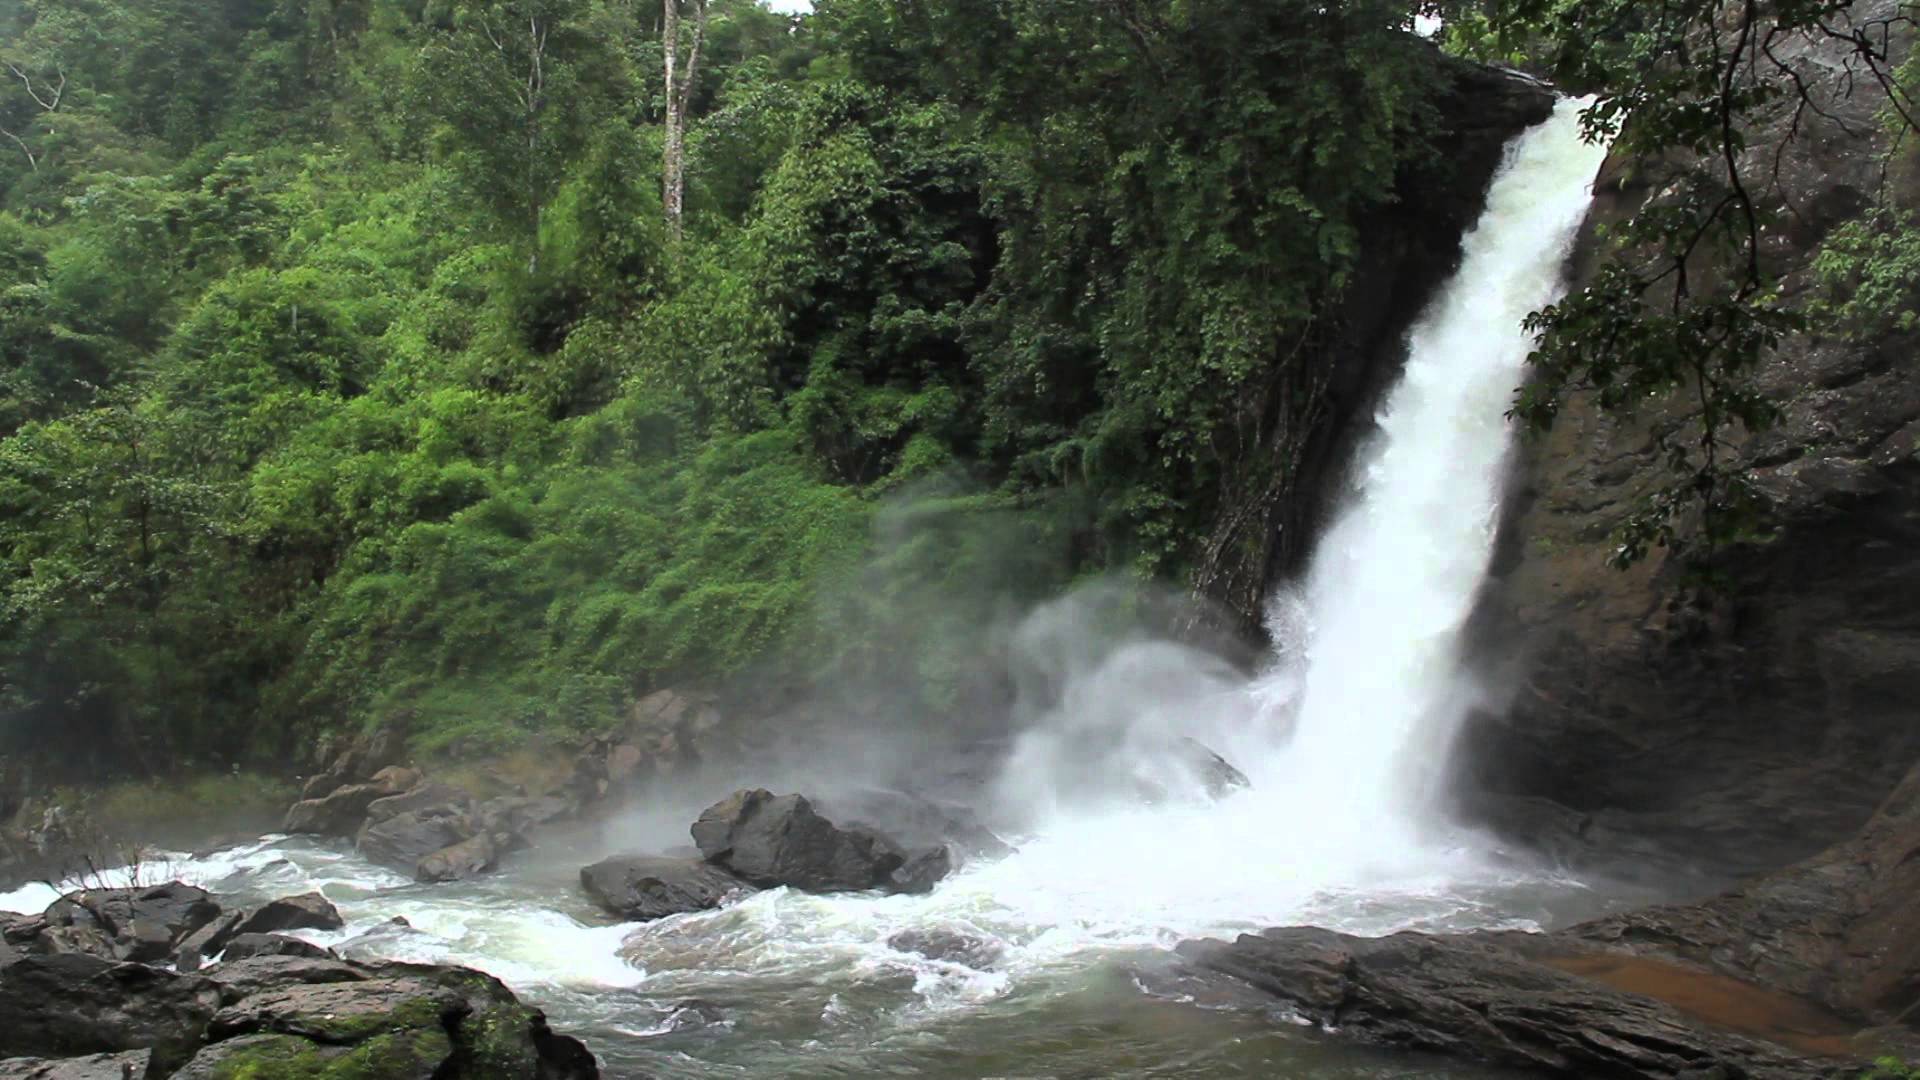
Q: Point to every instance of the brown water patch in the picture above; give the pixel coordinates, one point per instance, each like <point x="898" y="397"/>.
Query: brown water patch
<point x="1723" y="1002"/>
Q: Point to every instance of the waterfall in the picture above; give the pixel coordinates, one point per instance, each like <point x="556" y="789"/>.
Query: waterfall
<point x="1380" y="689"/>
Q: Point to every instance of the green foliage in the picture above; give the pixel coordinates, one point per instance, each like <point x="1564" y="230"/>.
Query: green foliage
<point x="1870" y="269"/>
<point x="1890" y="1069"/>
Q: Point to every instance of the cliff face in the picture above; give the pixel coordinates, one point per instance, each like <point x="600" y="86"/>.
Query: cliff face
<point x="1314" y="408"/>
<point x="1753" y="726"/>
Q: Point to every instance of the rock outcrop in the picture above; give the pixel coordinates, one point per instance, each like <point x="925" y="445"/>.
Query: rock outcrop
<point x="1752" y="725"/>
<point x="1473" y="997"/>
<point x="274" y="1006"/>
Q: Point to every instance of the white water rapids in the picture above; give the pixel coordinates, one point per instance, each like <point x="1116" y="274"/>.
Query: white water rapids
<point x="1342" y="740"/>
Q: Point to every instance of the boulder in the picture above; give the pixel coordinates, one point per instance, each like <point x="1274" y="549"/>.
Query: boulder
<point x="122" y="1066"/>
<point x="309" y="911"/>
<point x="207" y="941"/>
<point x="431" y="795"/>
<point x="77" y="1004"/>
<point x="244" y="946"/>
<point x="138" y="924"/>
<point x="339" y="813"/>
<point x="401" y="841"/>
<point x="646" y="887"/>
<point x="773" y="840"/>
<point x="417" y="1053"/>
<point x="475" y="855"/>
<point x="922" y="871"/>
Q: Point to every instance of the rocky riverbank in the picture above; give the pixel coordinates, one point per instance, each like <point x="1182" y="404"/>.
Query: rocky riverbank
<point x="163" y="981"/>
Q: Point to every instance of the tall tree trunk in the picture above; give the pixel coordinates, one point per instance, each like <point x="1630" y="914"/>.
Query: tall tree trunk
<point x="679" y="91"/>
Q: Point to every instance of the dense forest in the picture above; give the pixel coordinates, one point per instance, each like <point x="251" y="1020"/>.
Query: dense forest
<point x="446" y="362"/>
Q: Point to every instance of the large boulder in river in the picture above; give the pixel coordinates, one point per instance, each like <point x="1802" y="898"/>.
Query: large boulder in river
<point x="401" y="841"/>
<point x="913" y="821"/>
<point x="774" y="840"/>
<point x="244" y="946"/>
<point x="140" y="924"/>
<point x="308" y="911"/>
<point x="338" y="813"/>
<point x="645" y="887"/>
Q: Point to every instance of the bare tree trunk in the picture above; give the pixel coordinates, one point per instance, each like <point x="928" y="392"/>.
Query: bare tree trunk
<point x="535" y="99"/>
<point x="679" y="91"/>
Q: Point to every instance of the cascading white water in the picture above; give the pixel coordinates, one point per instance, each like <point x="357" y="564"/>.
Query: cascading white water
<point x="1395" y="578"/>
<point x="1340" y="741"/>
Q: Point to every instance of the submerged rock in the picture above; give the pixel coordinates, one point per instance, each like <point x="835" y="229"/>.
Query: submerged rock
<point x="948" y="946"/>
<point x="1216" y="773"/>
<point x="646" y="887"/>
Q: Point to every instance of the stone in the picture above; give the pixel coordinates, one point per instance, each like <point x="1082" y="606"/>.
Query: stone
<point x="1470" y="996"/>
<point x="475" y="855"/>
<point x="401" y="841"/>
<point x="127" y="1065"/>
<point x="138" y="924"/>
<point x="339" y="813"/>
<point x="922" y="871"/>
<point x="647" y="887"/>
<point x="1216" y="773"/>
<point x="244" y="946"/>
<point x="309" y="911"/>
<point x="773" y="840"/>
<point x="194" y="949"/>
<point x="431" y="795"/>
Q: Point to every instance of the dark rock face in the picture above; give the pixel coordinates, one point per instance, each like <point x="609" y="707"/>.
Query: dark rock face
<point x="76" y="1004"/>
<point x="922" y="871"/>
<point x="1216" y="773"/>
<point x="645" y="887"/>
<point x="1472" y="997"/>
<point x="773" y="840"/>
<point x="1758" y="725"/>
<point x="475" y="855"/>
<point x="1314" y="408"/>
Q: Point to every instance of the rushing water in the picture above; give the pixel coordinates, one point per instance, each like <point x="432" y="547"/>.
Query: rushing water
<point x="1071" y="975"/>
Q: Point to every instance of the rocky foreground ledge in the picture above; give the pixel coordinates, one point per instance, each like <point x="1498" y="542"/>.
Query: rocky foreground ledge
<point x="1804" y="973"/>
<point x="101" y="987"/>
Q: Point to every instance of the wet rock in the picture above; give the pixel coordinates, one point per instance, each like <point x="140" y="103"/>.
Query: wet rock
<point x="409" y="1054"/>
<point x="922" y="871"/>
<point x="475" y="855"/>
<point x="646" y="887"/>
<point x="915" y="822"/>
<point x="1469" y="995"/>
<point x="1216" y="773"/>
<point x="401" y="841"/>
<point x="207" y="941"/>
<point x="244" y="946"/>
<point x="780" y="840"/>
<point x="431" y="795"/>
<point x="122" y="1066"/>
<point x="339" y="813"/>
<point x="77" y="1004"/>
<point x="237" y="979"/>
<point x="947" y="946"/>
<point x="138" y="924"/>
<point x="309" y="911"/>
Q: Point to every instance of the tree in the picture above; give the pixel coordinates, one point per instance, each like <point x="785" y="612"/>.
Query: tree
<point x="679" y="90"/>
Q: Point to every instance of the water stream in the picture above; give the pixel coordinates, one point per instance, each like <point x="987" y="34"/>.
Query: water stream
<point x="1343" y="739"/>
